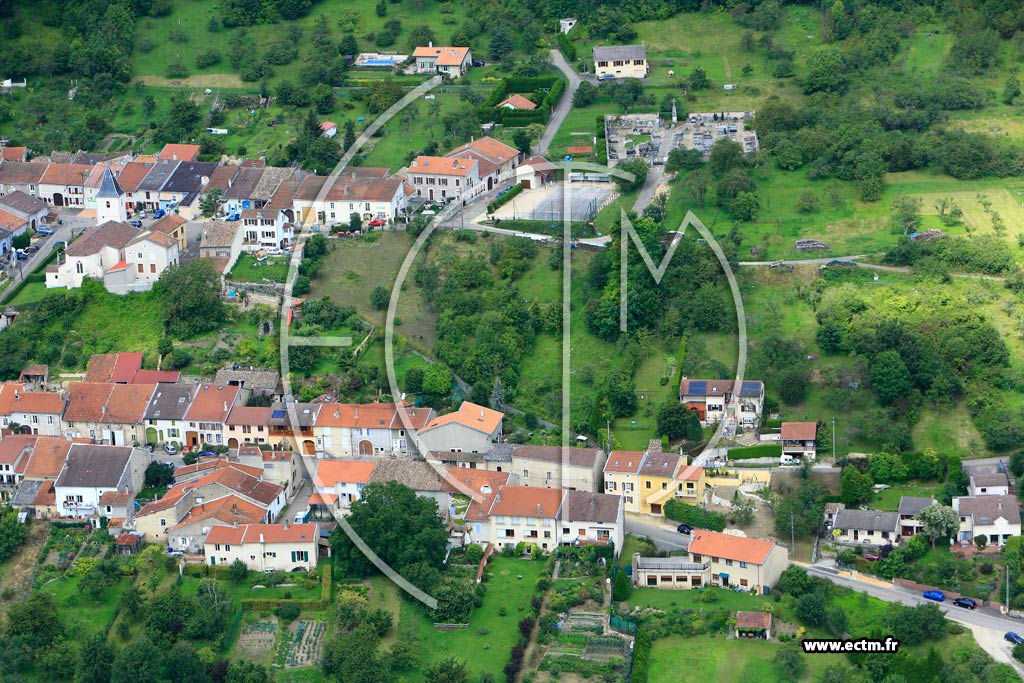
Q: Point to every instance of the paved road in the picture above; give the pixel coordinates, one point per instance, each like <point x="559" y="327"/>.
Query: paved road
<point x="564" y="105"/>
<point x="61" y="233"/>
<point x="664" y="535"/>
<point x="989" y="623"/>
<point x="872" y="266"/>
<point x="656" y="172"/>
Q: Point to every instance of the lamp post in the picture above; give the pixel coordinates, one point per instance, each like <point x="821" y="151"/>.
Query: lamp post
<point x="833" y="440"/>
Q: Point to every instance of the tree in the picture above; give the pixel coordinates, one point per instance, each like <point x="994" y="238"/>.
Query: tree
<point x="621" y="588"/>
<point x="95" y="661"/>
<point x="585" y="94"/>
<point x="825" y="71"/>
<point x="448" y="670"/>
<point x="745" y="206"/>
<point x="355" y="222"/>
<point x="793" y="384"/>
<point x="243" y="671"/>
<point x="810" y="608"/>
<point x="501" y="43"/>
<point x="399" y="526"/>
<point x="521" y="139"/>
<point x="190" y="298"/>
<point x="906" y="215"/>
<point x="638" y="168"/>
<point x="137" y="662"/>
<point x="1011" y="90"/>
<point x="379" y="297"/>
<point x="808" y="202"/>
<point x="683" y="160"/>
<point x="696" y="185"/>
<point x="437" y="380"/>
<point x="795" y="581"/>
<point x="699" y="80"/>
<point x="857" y="486"/>
<point x="238" y="571"/>
<point x="673" y="420"/>
<point x="421" y="35"/>
<point x="497" y="400"/>
<point x="323" y="98"/>
<point x="35" y="619"/>
<point x="159" y="474"/>
<point x="724" y="156"/>
<point x="790" y="661"/>
<point x="181" y="121"/>
<point x="183" y="664"/>
<point x="414" y="380"/>
<point x="890" y="377"/>
<point x="12" y="532"/>
<point x="939" y="520"/>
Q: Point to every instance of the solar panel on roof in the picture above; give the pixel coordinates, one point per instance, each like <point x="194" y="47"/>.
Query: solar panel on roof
<point x="278" y="414"/>
<point x="750" y="389"/>
<point x="698" y="387"/>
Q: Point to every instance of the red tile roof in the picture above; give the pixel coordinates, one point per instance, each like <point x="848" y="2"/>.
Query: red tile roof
<point x="73" y="175"/>
<point x="13" y="153"/>
<point x="624" y="461"/>
<point x="212" y="403"/>
<point x="156" y="377"/>
<point x="470" y="415"/>
<point x="14" y="399"/>
<point x="729" y="547"/>
<point x="48" y="457"/>
<point x="441" y="166"/>
<point x="446" y="56"/>
<point x="15" y="447"/>
<point x="125" y="367"/>
<point x="264" y="533"/>
<point x="518" y="102"/>
<point x="331" y="472"/>
<point x="249" y="415"/>
<point x="527" y="501"/>
<point x="229" y="509"/>
<point x="753" y="620"/>
<point x="132" y="174"/>
<point x="180" y="152"/>
<point x="799" y="431"/>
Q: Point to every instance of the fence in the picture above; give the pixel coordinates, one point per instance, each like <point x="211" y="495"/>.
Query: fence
<point x="622" y="625"/>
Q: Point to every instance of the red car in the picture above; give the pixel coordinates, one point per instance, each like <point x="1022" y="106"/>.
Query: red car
<point x="377" y="223"/>
<point x="870" y="557"/>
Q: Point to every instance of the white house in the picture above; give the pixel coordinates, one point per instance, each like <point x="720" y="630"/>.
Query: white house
<point x="798" y="440"/>
<point x="438" y="178"/>
<point x="471" y="429"/>
<point x="450" y="62"/>
<point x="866" y="527"/>
<point x="339" y="483"/>
<point x="165" y="414"/>
<point x="343" y="430"/>
<point x="994" y="484"/>
<point x="547" y="466"/>
<point x="621" y="61"/>
<point x="995" y="517"/>
<point x="496" y="162"/>
<point x="91" y="471"/>
<point x="35" y="412"/>
<point x="264" y="547"/>
<point x="24" y="207"/>
<point x="64" y="184"/>
<point x="265" y="229"/>
<point x="328" y="129"/>
<point x="124" y="258"/>
<point x="715" y="400"/>
<point x="110" y="200"/>
<point x="371" y="198"/>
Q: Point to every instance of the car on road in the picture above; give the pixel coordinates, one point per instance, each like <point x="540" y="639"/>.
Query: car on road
<point x="871" y="557"/>
<point x="21" y="254"/>
<point x="59" y="246"/>
<point x="937" y="596"/>
<point x="169" y="449"/>
<point x="684" y="529"/>
<point x="1013" y="638"/>
<point x="377" y="223"/>
<point x="233" y="216"/>
<point x="44" y="231"/>
<point x="478" y="63"/>
<point x="206" y="454"/>
<point x="159" y="213"/>
<point x="32" y="248"/>
<point x="135" y="224"/>
<point x="966" y="603"/>
<point x="606" y="77"/>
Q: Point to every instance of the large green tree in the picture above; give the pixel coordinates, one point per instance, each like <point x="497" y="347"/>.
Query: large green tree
<point x="939" y="520"/>
<point x="890" y="377"/>
<point x="399" y="526"/>
<point x="190" y="298"/>
<point x="856" y="485"/>
<point x="12" y="532"/>
<point x="826" y="70"/>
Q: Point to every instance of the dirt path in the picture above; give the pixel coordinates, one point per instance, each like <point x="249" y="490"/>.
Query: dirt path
<point x="16" y="573"/>
<point x="991" y="641"/>
<point x="531" y="644"/>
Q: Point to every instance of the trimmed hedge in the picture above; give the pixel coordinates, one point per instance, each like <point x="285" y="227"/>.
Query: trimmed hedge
<point x="505" y="198"/>
<point x="641" y="656"/>
<point x="764" y="450"/>
<point x="694" y="516"/>
<point x="773" y="423"/>
<point x="566" y="47"/>
<point x="489" y="111"/>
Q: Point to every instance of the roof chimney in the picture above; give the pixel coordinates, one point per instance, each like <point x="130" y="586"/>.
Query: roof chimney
<point x="540" y="510"/>
<point x="286" y="524"/>
<point x="336" y="413"/>
<point x="430" y="43"/>
<point x="357" y="412"/>
<point x="225" y="406"/>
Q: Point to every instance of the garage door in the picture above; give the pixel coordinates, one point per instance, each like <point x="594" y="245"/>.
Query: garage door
<point x="525" y="183"/>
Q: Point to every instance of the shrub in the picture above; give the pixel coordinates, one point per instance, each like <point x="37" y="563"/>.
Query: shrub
<point x="287" y="611"/>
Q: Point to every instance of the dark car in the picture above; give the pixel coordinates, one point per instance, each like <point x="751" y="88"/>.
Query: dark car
<point x="21" y="255"/>
<point x="32" y="248"/>
<point x="44" y="231"/>
<point x="871" y="557"/>
<point x="937" y="596"/>
<point x="206" y="454"/>
<point x="59" y="246"/>
<point x="135" y="224"/>
<point x="684" y="529"/>
<point x="159" y="213"/>
<point x="1013" y="638"/>
<point x="966" y="603"/>
<point x="150" y="447"/>
<point x="478" y="63"/>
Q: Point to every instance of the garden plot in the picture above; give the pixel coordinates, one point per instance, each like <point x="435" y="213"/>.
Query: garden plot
<point x="257" y="638"/>
<point x="307" y="643"/>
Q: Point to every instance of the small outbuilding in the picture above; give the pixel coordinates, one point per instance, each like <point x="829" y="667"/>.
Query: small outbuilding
<point x="756" y="625"/>
<point x="128" y="544"/>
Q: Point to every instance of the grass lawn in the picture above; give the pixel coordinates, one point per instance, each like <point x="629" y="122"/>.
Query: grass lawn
<point x="80" y="615"/>
<point x="248" y="269"/>
<point x="486" y="643"/>
<point x="707" y="658"/>
<point x="889" y="499"/>
<point x="30" y="294"/>
<point x="690" y="599"/>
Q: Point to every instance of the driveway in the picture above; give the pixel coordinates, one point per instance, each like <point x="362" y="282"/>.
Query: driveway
<point x="663" y="534"/>
<point x="61" y="233"/>
<point x="564" y="105"/>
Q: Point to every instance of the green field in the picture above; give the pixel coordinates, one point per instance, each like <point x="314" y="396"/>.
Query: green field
<point x="707" y="658"/>
<point x="248" y="269"/>
<point x="889" y="499"/>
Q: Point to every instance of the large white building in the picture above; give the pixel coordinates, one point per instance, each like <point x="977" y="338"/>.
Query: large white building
<point x="621" y="61"/>
<point x="471" y="429"/>
<point x="91" y="471"/>
<point x="997" y="518"/>
<point x="264" y="547"/>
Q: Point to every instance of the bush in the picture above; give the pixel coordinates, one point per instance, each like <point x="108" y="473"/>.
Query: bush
<point x="287" y="611"/>
<point x="764" y="450"/>
<point x="694" y="516"/>
<point x="505" y="198"/>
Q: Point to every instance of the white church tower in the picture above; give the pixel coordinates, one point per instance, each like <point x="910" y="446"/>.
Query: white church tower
<point x="109" y="203"/>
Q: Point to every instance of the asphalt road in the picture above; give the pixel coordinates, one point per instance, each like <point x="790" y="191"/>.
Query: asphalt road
<point x="663" y="535"/>
<point x="564" y="105"/>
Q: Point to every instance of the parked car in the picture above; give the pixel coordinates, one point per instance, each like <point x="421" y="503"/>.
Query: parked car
<point x="159" y="213"/>
<point x="170" y="449"/>
<point x="871" y="557"/>
<point x="21" y="254"/>
<point x="274" y="251"/>
<point x="684" y="529"/>
<point x="59" y="246"/>
<point x="44" y="231"/>
<point x="135" y="224"/>
<point x="150" y="447"/>
<point x="1013" y="638"/>
<point x="937" y="596"/>
<point x="966" y="603"/>
<point x="233" y="216"/>
<point x="141" y="214"/>
<point x="377" y="223"/>
<point x="32" y="248"/>
<point x="206" y="454"/>
<point x="478" y="63"/>
<point x="606" y="77"/>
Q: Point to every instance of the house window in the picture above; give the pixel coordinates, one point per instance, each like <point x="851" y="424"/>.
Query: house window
<point x="140" y="268"/>
<point x="647" y="484"/>
<point x="743" y="565"/>
<point x="163" y="522"/>
<point x="526" y="473"/>
<point x="152" y="267"/>
<point x="78" y="267"/>
<point x="728" y="563"/>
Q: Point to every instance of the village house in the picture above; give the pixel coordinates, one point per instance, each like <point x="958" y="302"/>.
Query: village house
<point x="546" y="518"/>
<point x="265" y="229"/>
<point x="173" y="226"/>
<point x="622" y="477"/>
<point x="165" y="414"/>
<point x="34" y="412"/>
<point x="419" y="476"/>
<point x="37" y="474"/>
<point x="994" y="484"/>
<point x="107" y="413"/>
<point x="866" y="527"/>
<point x="552" y="467"/>
<point x="657" y="480"/>
<point x="264" y="547"/>
<point x="830" y="513"/>
<point x="756" y="625"/>
<point x="239" y="195"/>
<point x="291" y="426"/>
<point x="450" y="62"/>
<point x="471" y="429"/>
<point x="908" y="509"/>
<point x="347" y="429"/>
<point x="129" y="179"/>
<point x="339" y="483"/>
<point x="441" y="178"/>
<point x="328" y="129"/>
<point x="205" y="465"/>
<point x="535" y="172"/>
<point x="715" y="400"/>
<point x="210" y="407"/>
<point x="496" y="162"/>
<point x="798" y="440"/>
<point x="722" y="560"/>
<point x="9" y="153"/>
<point x="63" y="185"/>
<point x="124" y="258"/>
<point x="181" y="192"/>
<point x="15" y="451"/>
<point x="179" y="152"/>
<point x="247" y="425"/>
<point x="277" y="467"/>
<point x="997" y="518"/>
<point x="92" y="471"/>
<point x="621" y="61"/>
<point x="221" y="242"/>
<point x="516" y="101"/>
<point x="370" y="198"/>
<point x="125" y="368"/>
<point x="25" y="208"/>
<point x="21" y="176"/>
<point x="227" y="495"/>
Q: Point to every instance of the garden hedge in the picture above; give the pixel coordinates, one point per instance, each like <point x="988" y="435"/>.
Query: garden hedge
<point x="764" y="450"/>
<point x="505" y="198"/>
